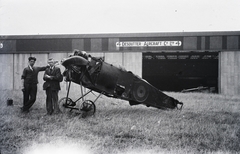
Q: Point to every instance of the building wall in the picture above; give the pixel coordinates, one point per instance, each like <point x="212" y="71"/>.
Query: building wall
<point x="12" y="65"/>
<point x="7" y="71"/>
<point x="229" y="72"/>
<point x="14" y="51"/>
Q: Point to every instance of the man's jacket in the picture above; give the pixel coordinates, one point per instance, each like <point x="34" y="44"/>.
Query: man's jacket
<point x="54" y="83"/>
<point x="31" y="76"/>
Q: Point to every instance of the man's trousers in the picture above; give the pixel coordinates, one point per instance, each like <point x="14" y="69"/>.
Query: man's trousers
<point x="52" y="101"/>
<point x="29" y="96"/>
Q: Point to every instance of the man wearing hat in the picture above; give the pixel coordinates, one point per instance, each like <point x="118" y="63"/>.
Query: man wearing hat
<point x="29" y="83"/>
<point x="52" y="78"/>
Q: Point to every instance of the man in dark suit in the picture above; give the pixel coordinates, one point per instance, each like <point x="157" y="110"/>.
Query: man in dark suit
<point x="29" y="83"/>
<point x="52" y="78"/>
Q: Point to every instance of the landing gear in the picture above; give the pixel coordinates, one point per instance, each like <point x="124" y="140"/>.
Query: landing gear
<point x="82" y="106"/>
<point x="87" y="108"/>
<point x="66" y="104"/>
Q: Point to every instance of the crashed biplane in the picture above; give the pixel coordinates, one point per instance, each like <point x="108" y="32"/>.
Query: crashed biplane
<point x="98" y="76"/>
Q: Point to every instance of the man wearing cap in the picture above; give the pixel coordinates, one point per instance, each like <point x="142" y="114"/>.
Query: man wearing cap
<point x="29" y="83"/>
<point x="52" y="78"/>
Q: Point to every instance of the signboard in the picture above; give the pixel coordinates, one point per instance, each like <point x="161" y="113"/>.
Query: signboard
<point x="148" y="43"/>
<point x="7" y="46"/>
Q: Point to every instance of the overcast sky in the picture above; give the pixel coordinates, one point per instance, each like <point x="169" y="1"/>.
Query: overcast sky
<point x="24" y="17"/>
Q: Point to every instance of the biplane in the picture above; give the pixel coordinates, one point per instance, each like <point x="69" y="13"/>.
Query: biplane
<point x="106" y="79"/>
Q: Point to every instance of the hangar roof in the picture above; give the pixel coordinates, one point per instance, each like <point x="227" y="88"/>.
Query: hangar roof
<point x="117" y="35"/>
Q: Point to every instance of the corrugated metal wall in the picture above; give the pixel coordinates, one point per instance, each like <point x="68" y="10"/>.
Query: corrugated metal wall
<point x="229" y="72"/>
<point x="16" y="49"/>
<point x="12" y="65"/>
<point x="6" y="69"/>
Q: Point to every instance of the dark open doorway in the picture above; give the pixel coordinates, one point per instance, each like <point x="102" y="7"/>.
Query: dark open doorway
<point x="178" y="71"/>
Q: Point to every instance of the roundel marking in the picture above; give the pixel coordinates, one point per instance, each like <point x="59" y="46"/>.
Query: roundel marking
<point x="140" y="91"/>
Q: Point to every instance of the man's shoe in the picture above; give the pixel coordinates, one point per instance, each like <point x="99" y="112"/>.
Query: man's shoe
<point x="47" y="114"/>
<point x="24" y="111"/>
<point x="57" y="112"/>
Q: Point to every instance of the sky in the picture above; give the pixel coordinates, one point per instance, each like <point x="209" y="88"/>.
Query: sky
<point x="33" y="17"/>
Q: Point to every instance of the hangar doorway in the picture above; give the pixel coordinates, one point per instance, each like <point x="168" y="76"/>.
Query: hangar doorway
<point x="178" y="71"/>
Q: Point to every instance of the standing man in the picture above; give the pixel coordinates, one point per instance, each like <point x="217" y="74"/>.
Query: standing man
<point x="53" y="77"/>
<point x="29" y="83"/>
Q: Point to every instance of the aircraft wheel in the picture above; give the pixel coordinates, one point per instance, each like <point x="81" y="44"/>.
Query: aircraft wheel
<point x="64" y="103"/>
<point x="87" y="108"/>
<point x="140" y="91"/>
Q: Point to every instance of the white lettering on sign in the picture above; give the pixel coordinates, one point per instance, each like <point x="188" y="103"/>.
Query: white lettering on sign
<point x="1" y="45"/>
<point x="148" y="44"/>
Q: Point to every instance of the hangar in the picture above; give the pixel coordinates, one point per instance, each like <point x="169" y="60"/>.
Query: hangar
<point x="171" y="61"/>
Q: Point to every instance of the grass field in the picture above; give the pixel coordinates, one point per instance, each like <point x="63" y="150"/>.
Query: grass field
<point x="208" y="123"/>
